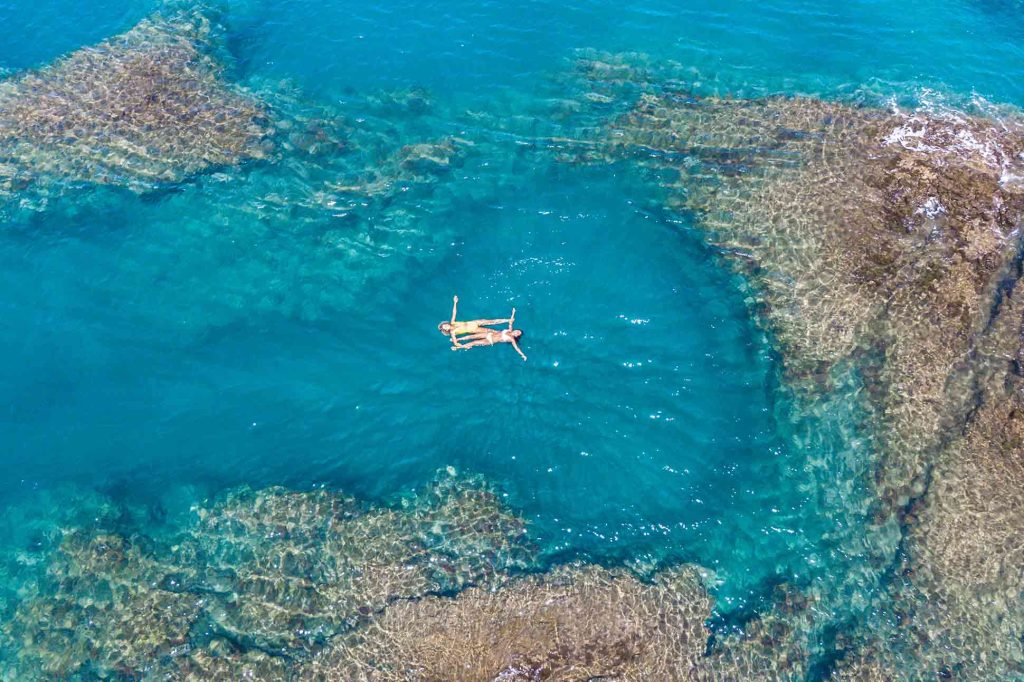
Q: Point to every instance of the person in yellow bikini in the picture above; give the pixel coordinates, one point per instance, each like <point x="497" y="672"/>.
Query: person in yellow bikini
<point x="473" y="333"/>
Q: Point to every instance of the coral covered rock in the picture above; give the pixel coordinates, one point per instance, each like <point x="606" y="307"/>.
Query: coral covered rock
<point x="289" y="570"/>
<point x="102" y="612"/>
<point x="573" y="623"/>
<point x="144" y="107"/>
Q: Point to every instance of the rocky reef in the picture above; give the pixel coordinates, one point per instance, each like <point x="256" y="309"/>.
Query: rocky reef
<point x="955" y="606"/>
<point x="257" y="578"/>
<point x="882" y="242"/>
<point x="302" y="567"/>
<point x="277" y="584"/>
<point x="148" y="106"/>
<point x="577" y="622"/>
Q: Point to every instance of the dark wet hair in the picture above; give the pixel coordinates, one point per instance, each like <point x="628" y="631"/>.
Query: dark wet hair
<point x="517" y="333"/>
<point x="442" y="325"/>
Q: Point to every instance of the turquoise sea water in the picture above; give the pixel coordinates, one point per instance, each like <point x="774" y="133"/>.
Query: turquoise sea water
<point x="160" y="348"/>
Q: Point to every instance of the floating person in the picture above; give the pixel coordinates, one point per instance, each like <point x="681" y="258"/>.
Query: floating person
<point x="455" y="329"/>
<point x="489" y="337"/>
<point x="475" y="333"/>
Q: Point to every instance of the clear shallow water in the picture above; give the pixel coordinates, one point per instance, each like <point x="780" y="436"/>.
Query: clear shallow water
<point x="163" y="347"/>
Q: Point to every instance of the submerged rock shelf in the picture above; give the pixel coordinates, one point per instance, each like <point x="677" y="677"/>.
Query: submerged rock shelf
<point x="143" y="108"/>
<point x="885" y="241"/>
<point x="273" y="584"/>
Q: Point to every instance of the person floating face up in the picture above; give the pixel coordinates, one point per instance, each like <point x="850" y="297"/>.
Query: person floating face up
<point x="473" y="333"/>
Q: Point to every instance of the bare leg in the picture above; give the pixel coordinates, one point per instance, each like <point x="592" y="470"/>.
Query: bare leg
<point x="476" y="336"/>
<point x="474" y="344"/>
<point x="460" y="342"/>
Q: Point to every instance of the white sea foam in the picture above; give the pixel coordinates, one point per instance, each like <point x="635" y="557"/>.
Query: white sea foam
<point x="937" y="129"/>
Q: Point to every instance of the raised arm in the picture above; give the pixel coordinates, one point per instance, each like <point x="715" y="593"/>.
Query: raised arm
<point x="455" y="307"/>
<point x="516" y="346"/>
<point x="510" y="321"/>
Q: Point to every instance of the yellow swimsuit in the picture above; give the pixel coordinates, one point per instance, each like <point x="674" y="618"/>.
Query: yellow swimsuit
<point x="465" y="328"/>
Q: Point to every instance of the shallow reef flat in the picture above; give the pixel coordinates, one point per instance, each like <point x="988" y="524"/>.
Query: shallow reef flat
<point x="955" y="604"/>
<point x="256" y="578"/>
<point x="884" y="242"/>
<point x="554" y="626"/>
<point x="146" y="107"/>
<point x="277" y="584"/>
<point x="573" y="622"/>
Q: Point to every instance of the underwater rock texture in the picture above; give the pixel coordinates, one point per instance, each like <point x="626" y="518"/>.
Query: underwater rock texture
<point x="578" y="622"/>
<point x="270" y="574"/>
<point x="575" y="622"/>
<point x="100" y="610"/>
<point x="148" y="106"/>
<point x="956" y="605"/>
<point x="275" y="584"/>
<point x="289" y="570"/>
<point x="884" y="242"/>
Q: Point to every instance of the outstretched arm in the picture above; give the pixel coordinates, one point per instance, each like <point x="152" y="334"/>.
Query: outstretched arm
<point x="516" y="346"/>
<point x="455" y="307"/>
<point x="511" y="320"/>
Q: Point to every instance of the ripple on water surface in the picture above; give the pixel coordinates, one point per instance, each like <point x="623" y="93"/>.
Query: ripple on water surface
<point x="641" y="425"/>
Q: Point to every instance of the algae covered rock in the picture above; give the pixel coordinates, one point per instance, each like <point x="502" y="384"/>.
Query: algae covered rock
<point x="576" y="622"/>
<point x="222" y="661"/>
<point x="288" y="570"/>
<point x="100" y="612"/>
<point x="956" y="605"/>
<point x="148" y="106"/>
<point x="256" y="581"/>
